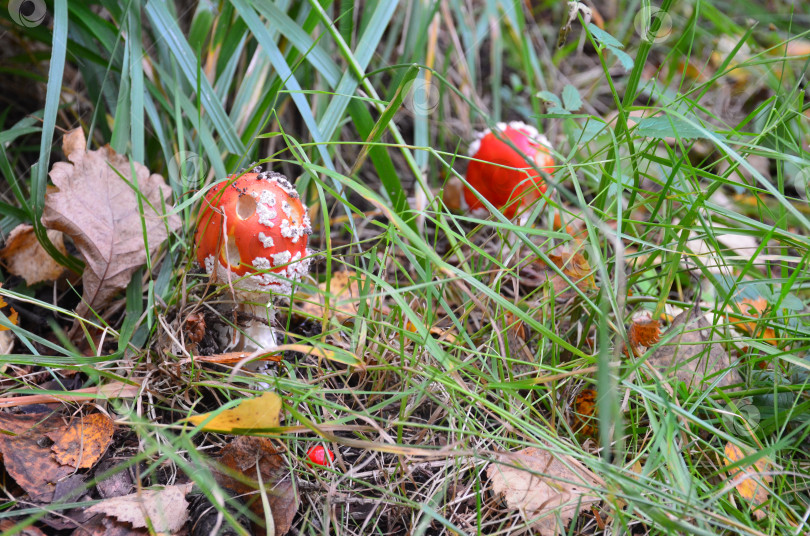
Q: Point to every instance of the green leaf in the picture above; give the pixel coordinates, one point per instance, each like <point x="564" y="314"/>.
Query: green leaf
<point x="571" y="98"/>
<point x="603" y="37"/>
<point x="548" y="96"/>
<point x="624" y="58"/>
<point x="668" y="127"/>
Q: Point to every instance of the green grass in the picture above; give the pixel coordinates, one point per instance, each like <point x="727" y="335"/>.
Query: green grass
<point x="324" y="94"/>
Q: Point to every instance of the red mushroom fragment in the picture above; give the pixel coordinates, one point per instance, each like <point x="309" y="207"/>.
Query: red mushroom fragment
<point x="252" y="234"/>
<point x="501" y="174"/>
<point x="320" y="455"/>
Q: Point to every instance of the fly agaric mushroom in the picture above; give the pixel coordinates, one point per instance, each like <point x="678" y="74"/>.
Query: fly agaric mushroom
<point x="252" y="234"/>
<point x="501" y="174"/>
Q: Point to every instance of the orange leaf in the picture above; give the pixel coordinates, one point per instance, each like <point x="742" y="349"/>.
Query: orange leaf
<point x="750" y="481"/>
<point x="644" y="331"/>
<point x="584" y="417"/>
<point x="754" y="308"/>
<point x="27" y="458"/>
<point x="84" y="442"/>
<point x="12" y="314"/>
<point x="576" y="267"/>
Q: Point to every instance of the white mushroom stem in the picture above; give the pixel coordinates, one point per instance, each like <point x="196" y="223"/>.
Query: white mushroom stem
<point x="258" y="333"/>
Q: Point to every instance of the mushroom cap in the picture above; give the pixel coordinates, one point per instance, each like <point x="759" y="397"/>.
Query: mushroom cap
<point x="253" y="231"/>
<point x="508" y="189"/>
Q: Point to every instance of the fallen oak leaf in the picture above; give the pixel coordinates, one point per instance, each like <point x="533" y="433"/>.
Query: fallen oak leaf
<point x="24" y="256"/>
<point x="163" y="510"/>
<point x="252" y="414"/>
<point x="84" y="442"/>
<point x="113" y="218"/>
<point x="541" y="485"/>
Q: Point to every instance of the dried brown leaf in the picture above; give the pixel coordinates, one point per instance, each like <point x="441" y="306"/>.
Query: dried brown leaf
<point x="166" y="509"/>
<point x="693" y="355"/>
<point x="106" y="526"/>
<point x="104" y="216"/>
<point x="8" y="524"/>
<point x="25" y="257"/>
<point x="574" y="265"/>
<point x="84" y="442"/>
<point x="584" y="419"/>
<point x="27" y="458"/>
<point x="538" y="482"/>
<point x="253" y="456"/>
<point x="644" y="331"/>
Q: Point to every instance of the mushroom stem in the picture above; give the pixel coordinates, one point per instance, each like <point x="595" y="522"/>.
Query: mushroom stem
<point x="258" y="334"/>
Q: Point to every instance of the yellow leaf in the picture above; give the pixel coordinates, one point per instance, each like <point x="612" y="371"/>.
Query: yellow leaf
<point x="252" y="414"/>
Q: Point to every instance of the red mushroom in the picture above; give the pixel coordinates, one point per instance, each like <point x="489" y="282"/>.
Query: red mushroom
<point x="252" y="234"/>
<point x="501" y="175"/>
<point x="320" y="455"/>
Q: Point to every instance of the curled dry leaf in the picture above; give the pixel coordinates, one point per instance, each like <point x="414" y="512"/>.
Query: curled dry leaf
<point x="164" y="510"/>
<point x="251" y="415"/>
<point x="643" y="331"/>
<point x="27" y="458"/>
<point x="25" y="257"/>
<point x="112" y="220"/>
<point x="257" y="459"/>
<point x="751" y="481"/>
<point x="694" y="355"/>
<point x="584" y="420"/>
<point x="574" y="265"/>
<point x="84" y="442"/>
<point x="543" y="485"/>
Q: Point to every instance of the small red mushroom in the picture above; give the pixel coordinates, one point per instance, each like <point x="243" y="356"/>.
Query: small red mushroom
<point x="252" y="234"/>
<point x="501" y="175"/>
<point x="320" y="455"/>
